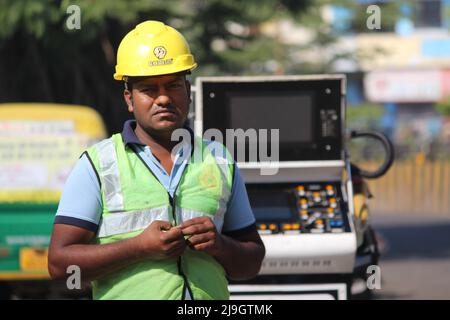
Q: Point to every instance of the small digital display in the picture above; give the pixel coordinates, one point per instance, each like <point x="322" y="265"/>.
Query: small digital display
<point x="270" y="205"/>
<point x="290" y="112"/>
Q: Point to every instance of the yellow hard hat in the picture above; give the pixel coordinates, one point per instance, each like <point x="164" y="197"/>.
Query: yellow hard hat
<point x="151" y="49"/>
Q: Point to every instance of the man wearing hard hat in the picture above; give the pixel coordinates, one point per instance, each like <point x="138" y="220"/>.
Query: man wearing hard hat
<point x="138" y="216"/>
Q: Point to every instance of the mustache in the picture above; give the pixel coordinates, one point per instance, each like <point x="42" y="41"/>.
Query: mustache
<point x="168" y="108"/>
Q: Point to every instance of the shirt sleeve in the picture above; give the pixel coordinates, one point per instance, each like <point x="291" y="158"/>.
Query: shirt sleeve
<point x="239" y="217"/>
<point x="80" y="204"/>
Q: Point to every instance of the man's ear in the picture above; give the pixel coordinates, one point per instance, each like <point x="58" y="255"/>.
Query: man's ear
<point x="128" y="96"/>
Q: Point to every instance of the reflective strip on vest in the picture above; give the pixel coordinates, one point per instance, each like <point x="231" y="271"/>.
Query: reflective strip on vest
<point x="109" y="175"/>
<point x="226" y="193"/>
<point x="125" y="222"/>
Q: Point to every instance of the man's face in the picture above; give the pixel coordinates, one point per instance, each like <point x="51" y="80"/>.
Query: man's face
<point x="159" y="103"/>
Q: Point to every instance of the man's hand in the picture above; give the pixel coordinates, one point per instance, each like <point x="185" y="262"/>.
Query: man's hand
<point x="201" y="235"/>
<point x="161" y="241"/>
<point x="72" y="245"/>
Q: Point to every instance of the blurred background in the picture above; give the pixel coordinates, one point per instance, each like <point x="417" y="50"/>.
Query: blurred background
<point x="398" y="83"/>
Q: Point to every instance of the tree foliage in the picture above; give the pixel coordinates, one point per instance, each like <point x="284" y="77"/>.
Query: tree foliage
<point x="364" y="116"/>
<point x="443" y="107"/>
<point x="41" y="60"/>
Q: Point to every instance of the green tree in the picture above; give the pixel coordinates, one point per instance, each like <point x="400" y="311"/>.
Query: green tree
<point x="364" y="116"/>
<point x="443" y="107"/>
<point x="41" y="60"/>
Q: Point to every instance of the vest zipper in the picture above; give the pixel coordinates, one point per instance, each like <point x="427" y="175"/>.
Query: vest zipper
<point x="180" y="269"/>
<point x="172" y="203"/>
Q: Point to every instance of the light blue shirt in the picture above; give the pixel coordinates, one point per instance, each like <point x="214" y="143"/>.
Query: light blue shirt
<point x="81" y="204"/>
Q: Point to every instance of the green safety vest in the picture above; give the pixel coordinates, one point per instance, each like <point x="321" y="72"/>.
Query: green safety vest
<point x="133" y="198"/>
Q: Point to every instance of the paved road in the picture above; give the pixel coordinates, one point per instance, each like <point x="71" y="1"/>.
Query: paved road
<point x="416" y="262"/>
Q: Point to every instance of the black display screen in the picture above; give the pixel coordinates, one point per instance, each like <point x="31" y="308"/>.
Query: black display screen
<point x="290" y="112"/>
<point x="272" y="205"/>
<point x="307" y="113"/>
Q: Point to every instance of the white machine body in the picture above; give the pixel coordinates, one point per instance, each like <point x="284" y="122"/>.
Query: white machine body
<point x="302" y="211"/>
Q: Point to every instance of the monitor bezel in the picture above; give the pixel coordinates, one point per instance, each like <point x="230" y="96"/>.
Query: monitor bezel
<point x="320" y="83"/>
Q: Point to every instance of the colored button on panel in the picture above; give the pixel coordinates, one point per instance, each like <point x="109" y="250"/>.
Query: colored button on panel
<point x="295" y="226"/>
<point x="330" y="190"/>
<point x="304" y="215"/>
<point x="330" y="212"/>
<point x="317" y="197"/>
<point x="286" y="226"/>
<point x="303" y="203"/>
<point x="333" y="203"/>
<point x="336" y="223"/>
<point x="290" y="226"/>
<point x="301" y="190"/>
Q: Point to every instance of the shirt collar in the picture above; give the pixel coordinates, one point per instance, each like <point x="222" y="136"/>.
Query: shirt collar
<point x="129" y="136"/>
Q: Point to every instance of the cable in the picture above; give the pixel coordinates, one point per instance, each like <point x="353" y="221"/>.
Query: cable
<point x="388" y="148"/>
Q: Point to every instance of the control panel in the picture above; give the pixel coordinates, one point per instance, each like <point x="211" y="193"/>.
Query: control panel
<point x="305" y="227"/>
<point x="299" y="209"/>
